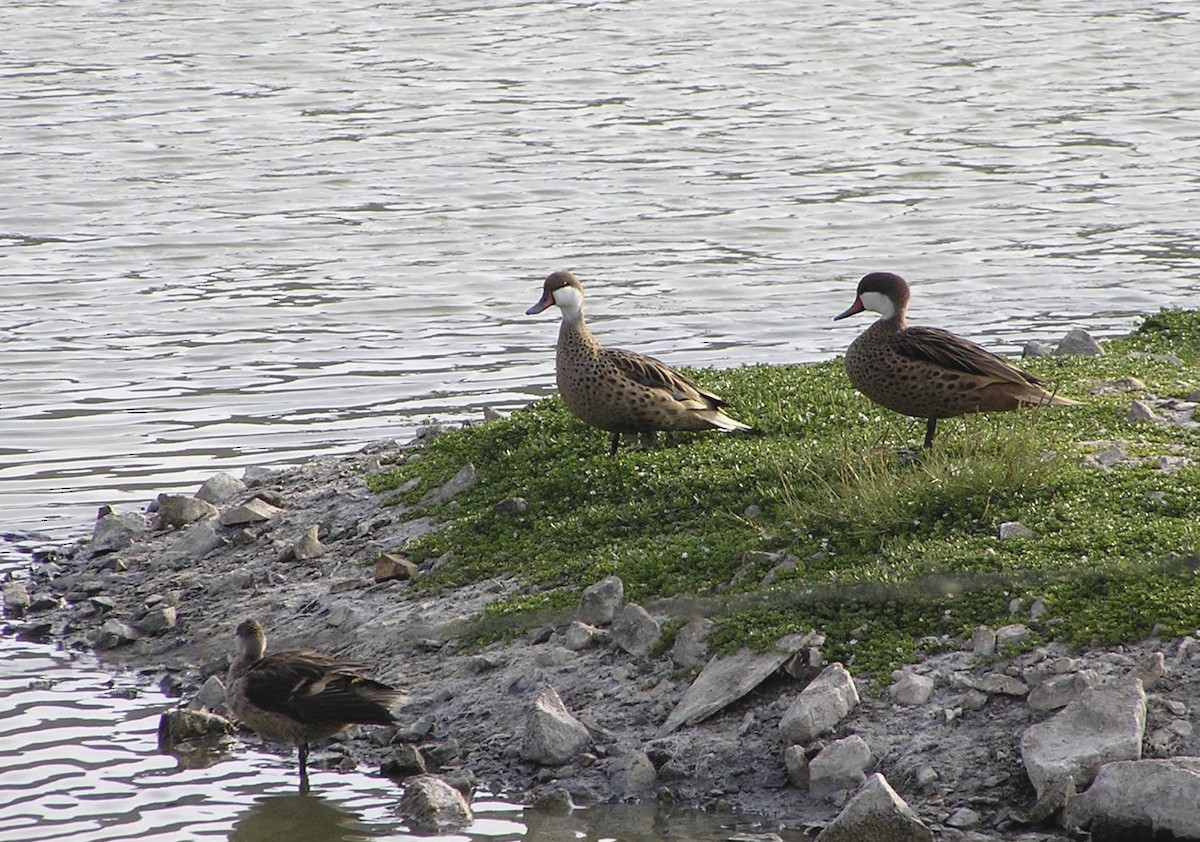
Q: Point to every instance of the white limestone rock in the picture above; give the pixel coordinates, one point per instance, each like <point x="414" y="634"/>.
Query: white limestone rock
<point x="1058" y="691"/>
<point x="820" y="706"/>
<point x="1141" y="799"/>
<point x="197" y="541"/>
<point x="690" y="648"/>
<point x="841" y="765"/>
<point x="1078" y="342"/>
<point x="912" y="689"/>
<point x="600" y="602"/>
<point x="460" y="482"/>
<point x="635" y="631"/>
<point x="1105" y="724"/>
<point x="253" y="511"/>
<point x="221" y="488"/>
<point x="876" y="814"/>
<point x="176" y="511"/>
<point x="726" y="678"/>
<point x="552" y="735"/>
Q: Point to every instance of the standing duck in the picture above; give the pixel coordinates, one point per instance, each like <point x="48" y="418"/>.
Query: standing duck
<point x="927" y="372"/>
<point x="622" y="391"/>
<point x="301" y="696"/>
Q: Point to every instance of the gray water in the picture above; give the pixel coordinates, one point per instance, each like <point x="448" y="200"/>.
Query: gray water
<point x="242" y="233"/>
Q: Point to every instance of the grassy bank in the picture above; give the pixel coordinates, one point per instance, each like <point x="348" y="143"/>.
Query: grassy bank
<point x="816" y="523"/>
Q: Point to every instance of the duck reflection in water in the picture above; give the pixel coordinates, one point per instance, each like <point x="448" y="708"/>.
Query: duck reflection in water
<point x="301" y="696"/>
<point x="298" y="818"/>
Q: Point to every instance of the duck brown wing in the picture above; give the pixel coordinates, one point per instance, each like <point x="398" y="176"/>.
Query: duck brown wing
<point x="311" y="687"/>
<point x="655" y="374"/>
<point x="945" y="349"/>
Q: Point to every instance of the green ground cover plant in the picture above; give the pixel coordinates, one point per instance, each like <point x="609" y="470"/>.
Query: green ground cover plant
<point x="818" y="520"/>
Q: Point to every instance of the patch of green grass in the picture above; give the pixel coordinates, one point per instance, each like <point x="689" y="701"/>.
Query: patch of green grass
<point x="894" y="557"/>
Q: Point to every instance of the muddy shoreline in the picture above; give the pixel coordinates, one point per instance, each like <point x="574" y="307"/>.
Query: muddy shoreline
<point x="152" y="594"/>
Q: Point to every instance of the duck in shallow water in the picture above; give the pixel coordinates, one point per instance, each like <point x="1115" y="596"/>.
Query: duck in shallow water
<point x="622" y="392"/>
<point x="301" y="696"/>
<point x="928" y="372"/>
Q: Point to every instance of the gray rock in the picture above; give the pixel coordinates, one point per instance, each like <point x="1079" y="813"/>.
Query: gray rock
<point x="796" y="763"/>
<point x="1015" y="634"/>
<point x="254" y="511"/>
<point x="394" y="566"/>
<point x="912" y="689"/>
<point x="1104" y="724"/>
<point x="726" y="678"/>
<point x="308" y="546"/>
<point x="841" y="765"/>
<point x="995" y="683"/>
<point x="431" y="805"/>
<point x="210" y="696"/>
<point x="552" y="735"/>
<point x="114" y="633"/>
<point x="1060" y="690"/>
<point x="1079" y="343"/>
<point x="176" y="511"/>
<point x="1036" y="348"/>
<point x="690" y="648"/>
<point x="158" y="619"/>
<point x="182" y="725"/>
<point x="963" y="818"/>
<point x="876" y="814"/>
<point x="820" y="706"/>
<point x="221" y="488"/>
<point x="457" y="484"/>
<point x="256" y="475"/>
<point x="511" y="507"/>
<point x="1139" y="411"/>
<point x="579" y="636"/>
<point x="635" y="630"/>
<point x="1115" y="387"/>
<point x="1109" y="457"/>
<point x="16" y="599"/>
<point x="1038" y="609"/>
<point x="197" y="541"/>
<point x="925" y="776"/>
<point x="406" y="762"/>
<point x="1141" y="799"/>
<point x="600" y="602"/>
<point x="633" y="775"/>
<point x="1012" y="529"/>
<point x="1150" y="671"/>
<point x="114" y="532"/>
<point x="983" y="642"/>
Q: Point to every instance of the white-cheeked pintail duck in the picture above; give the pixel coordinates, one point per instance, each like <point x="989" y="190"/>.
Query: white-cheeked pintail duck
<point x="301" y="696"/>
<point x="622" y="392"/>
<point x="927" y="372"/>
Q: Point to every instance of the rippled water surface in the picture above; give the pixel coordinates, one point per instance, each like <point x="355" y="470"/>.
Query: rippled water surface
<point x="239" y="232"/>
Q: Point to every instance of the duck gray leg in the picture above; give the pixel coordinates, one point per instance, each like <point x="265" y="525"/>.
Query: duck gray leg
<point x="304" y="768"/>
<point x="930" y="429"/>
<point x="616" y="439"/>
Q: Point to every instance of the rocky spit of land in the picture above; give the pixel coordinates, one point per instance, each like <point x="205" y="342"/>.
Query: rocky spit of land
<point x="973" y="744"/>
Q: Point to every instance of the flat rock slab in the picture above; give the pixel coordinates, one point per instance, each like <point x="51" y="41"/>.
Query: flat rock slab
<point x="820" y="706"/>
<point x="1105" y="724"/>
<point x="726" y="678"/>
<point x="255" y="511"/>
<point x="1141" y="799"/>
